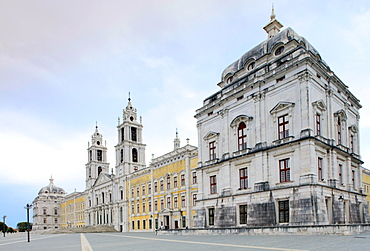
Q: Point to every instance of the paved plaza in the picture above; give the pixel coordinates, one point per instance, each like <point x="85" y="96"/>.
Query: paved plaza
<point x="150" y="241"/>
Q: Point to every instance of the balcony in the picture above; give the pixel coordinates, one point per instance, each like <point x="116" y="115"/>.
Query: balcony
<point x="283" y="141"/>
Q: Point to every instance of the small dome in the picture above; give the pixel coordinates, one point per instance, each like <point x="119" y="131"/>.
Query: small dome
<point x="52" y="189"/>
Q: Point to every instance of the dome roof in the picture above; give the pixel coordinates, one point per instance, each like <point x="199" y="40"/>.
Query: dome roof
<point x="266" y="47"/>
<point x="52" y="189"/>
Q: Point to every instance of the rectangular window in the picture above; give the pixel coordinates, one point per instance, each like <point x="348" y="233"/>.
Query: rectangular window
<point x="318" y="124"/>
<point x="56" y="220"/>
<point x="169" y="202"/>
<point x="183" y="204"/>
<point x="144" y="208"/>
<point x="243" y="214"/>
<point x="138" y="208"/>
<point x="212" y="150"/>
<point x="195" y="178"/>
<point x="175" y="202"/>
<point x="284" y="170"/>
<point x="353" y="179"/>
<point x="175" y="182"/>
<point x="121" y="194"/>
<point x="55" y="211"/>
<point x="150" y="206"/>
<point x="168" y="182"/>
<point x="143" y="190"/>
<point x="162" y="204"/>
<point x="283" y="127"/>
<point x="161" y="185"/>
<point x="99" y="155"/>
<point x="182" y="179"/>
<point x="138" y="224"/>
<point x="149" y="188"/>
<point x="133" y="224"/>
<point x="144" y="224"/>
<point x="211" y="216"/>
<point x="132" y="193"/>
<point x="339" y="130"/>
<point x="351" y="145"/>
<point x="137" y="191"/>
<point x="44" y="220"/>
<point x="132" y="208"/>
<point x="243" y="176"/>
<point x="213" y="184"/>
<point x="133" y="134"/>
<point x="122" y="134"/>
<point x="194" y="199"/>
<point x="319" y="169"/>
<point x="156" y="187"/>
<point x="340" y="171"/>
<point x="284" y="211"/>
<point x="156" y="205"/>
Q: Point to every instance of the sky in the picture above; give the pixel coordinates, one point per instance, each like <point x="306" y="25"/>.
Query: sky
<point x="67" y="65"/>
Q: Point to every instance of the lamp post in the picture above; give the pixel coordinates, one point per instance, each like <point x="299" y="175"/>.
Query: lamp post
<point x="28" y="207"/>
<point x="4" y="228"/>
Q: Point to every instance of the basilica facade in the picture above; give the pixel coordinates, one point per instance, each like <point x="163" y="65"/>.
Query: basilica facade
<point x="136" y="197"/>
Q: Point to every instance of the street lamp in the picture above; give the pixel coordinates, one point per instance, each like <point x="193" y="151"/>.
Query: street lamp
<point x="28" y="207"/>
<point x="4" y="230"/>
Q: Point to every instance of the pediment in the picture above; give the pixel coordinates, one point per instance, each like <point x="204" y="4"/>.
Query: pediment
<point x="319" y="104"/>
<point x="341" y="114"/>
<point x="211" y="135"/>
<point x="353" y="128"/>
<point x="282" y="106"/>
<point x="102" y="179"/>
<point x="241" y="118"/>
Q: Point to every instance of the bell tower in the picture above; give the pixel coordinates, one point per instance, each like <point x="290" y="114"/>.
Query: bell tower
<point x="130" y="150"/>
<point x="97" y="158"/>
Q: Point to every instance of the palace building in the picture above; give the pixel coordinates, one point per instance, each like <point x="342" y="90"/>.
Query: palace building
<point x="279" y="142"/>
<point x="278" y="145"/>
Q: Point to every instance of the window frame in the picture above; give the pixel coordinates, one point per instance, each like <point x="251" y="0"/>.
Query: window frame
<point x="284" y="211"/>
<point x="213" y="184"/>
<point x="243" y="214"/>
<point x="243" y="178"/>
<point x="212" y="150"/>
<point x="283" y="126"/>
<point x="284" y="170"/>
<point x="320" y="176"/>
<point x="242" y="136"/>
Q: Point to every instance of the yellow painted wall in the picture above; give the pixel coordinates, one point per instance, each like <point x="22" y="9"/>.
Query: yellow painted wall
<point x="366" y="185"/>
<point x="158" y="173"/>
<point x="72" y="211"/>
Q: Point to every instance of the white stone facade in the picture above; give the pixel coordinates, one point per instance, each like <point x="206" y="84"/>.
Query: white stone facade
<point x="46" y="207"/>
<point x="278" y="144"/>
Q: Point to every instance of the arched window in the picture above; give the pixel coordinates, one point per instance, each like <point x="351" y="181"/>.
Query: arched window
<point x="99" y="170"/>
<point x="134" y="155"/>
<point x="121" y="155"/>
<point x="242" y="143"/>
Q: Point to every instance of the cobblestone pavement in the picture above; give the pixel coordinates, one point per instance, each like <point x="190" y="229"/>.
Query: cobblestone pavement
<point x="149" y="241"/>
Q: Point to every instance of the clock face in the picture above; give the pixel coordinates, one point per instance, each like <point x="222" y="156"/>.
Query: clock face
<point x="98" y="143"/>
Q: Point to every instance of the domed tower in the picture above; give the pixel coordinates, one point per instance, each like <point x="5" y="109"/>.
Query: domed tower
<point x="130" y="150"/>
<point x="97" y="158"/>
<point x="46" y="210"/>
